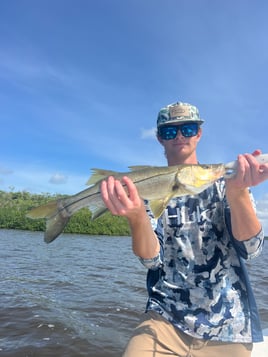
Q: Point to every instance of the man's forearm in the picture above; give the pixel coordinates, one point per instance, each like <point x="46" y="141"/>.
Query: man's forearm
<point x="245" y="223"/>
<point x="144" y="241"/>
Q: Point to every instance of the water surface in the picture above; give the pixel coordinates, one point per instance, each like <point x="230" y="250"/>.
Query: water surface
<point x="78" y="296"/>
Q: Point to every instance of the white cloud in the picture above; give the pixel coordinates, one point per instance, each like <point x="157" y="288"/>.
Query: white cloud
<point x="148" y="133"/>
<point x="58" y="179"/>
<point x="36" y="178"/>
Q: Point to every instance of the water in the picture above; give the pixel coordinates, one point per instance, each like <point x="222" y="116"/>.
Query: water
<point x="79" y="296"/>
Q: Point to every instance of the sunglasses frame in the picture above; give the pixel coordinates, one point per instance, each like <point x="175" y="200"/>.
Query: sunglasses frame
<point x="163" y="131"/>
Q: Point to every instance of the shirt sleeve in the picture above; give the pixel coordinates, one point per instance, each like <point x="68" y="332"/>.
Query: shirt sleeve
<point x="250" y="248"/>
<point x="155" y="262"/>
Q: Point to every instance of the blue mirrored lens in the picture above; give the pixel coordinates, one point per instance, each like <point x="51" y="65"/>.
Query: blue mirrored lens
<point x="170" y="132"/>
<point x="189" y="130"/>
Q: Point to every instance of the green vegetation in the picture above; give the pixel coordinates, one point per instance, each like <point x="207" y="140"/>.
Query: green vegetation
<point x="15" y="205"/>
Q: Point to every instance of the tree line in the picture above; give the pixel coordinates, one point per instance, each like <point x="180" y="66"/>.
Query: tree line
<point x="15" y="205"/>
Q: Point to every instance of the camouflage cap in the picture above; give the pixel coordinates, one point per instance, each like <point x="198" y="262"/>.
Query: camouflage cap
<point x="178" y="113"/>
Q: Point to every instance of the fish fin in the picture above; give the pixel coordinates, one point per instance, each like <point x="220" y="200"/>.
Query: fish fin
<point x="56" y="219"/>
<point x="43" y="211"/>
<point x="158" y="207"/>
<point x="139" y="167"/>
<point x="96" y="213"/>
<point x="100" y="174"/>
<point x="54" y="227"/>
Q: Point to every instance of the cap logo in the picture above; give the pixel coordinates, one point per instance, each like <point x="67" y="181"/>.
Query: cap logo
<point x="179" y="111"/>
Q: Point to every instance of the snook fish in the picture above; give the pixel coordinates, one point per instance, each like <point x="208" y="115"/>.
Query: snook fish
<point x="155" y="184"/>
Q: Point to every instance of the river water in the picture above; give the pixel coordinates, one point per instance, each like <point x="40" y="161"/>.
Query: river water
<point x="78" y="296"/>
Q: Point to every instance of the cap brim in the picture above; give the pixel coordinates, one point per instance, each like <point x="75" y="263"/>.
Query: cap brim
<point x="181" y="121"/>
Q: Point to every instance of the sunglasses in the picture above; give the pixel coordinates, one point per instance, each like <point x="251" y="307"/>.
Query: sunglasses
<point x="169" y="132"/>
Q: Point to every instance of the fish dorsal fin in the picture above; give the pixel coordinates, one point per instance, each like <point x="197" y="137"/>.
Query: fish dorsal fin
<point x="139" y="167"/>
<point x="99" y="174"/>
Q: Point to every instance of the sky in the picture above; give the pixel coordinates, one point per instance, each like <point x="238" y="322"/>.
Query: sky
<point x="82" y="81"/>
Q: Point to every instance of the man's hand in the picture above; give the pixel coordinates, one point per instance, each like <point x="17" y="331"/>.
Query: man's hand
<point x="121" y="200"/>
<point x="249" y="172"/>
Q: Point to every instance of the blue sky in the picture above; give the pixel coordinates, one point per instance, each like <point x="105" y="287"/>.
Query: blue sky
<point x="82" y="81"/>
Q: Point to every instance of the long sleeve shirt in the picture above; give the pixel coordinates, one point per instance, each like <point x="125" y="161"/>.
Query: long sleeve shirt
<point x="199" y="281"/>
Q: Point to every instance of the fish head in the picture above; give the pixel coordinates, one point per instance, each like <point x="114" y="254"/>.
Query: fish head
<point x="196" y="178"/>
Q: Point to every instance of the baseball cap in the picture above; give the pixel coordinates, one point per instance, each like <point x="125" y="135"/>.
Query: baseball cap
<point x="178" y="113"/>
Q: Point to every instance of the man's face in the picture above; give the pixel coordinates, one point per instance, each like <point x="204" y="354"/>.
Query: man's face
<point x="181" y="147"/>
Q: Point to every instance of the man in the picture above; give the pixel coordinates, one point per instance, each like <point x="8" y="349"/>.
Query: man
<point x="200" y="300"/>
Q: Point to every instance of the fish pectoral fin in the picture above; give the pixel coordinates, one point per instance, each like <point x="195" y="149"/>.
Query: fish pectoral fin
<point x="99" y="174"/>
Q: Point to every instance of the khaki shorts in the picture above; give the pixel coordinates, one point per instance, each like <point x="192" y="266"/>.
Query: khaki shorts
<point x="156" y="337"/>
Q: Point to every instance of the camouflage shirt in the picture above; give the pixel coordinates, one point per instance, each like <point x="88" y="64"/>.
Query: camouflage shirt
<point x="198" y="282"/>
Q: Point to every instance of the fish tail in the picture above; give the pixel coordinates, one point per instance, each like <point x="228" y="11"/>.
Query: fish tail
<point x="56" y="218"/>
<point x="43" y="211"/>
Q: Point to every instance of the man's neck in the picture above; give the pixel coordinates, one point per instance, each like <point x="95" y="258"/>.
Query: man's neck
<point x="192" y="160"/>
